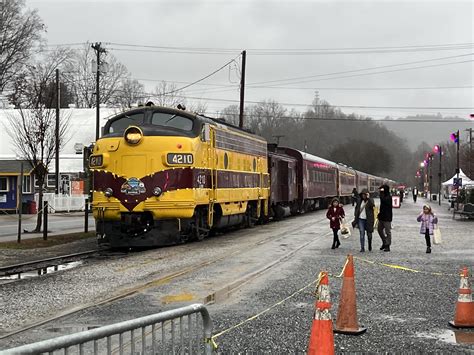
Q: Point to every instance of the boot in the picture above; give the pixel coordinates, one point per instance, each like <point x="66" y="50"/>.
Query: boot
<point x="428" y="250"/>
<point x="338" y="243"/>
<point x="382" y="247"/>
<point x="333" y="246"/>
<point x="369" y="239"/>
<point x="387" y="248"/>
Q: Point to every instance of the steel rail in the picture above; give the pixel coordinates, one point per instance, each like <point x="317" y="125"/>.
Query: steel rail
<point x="164" y="279"/>
<point x="28" y="266"/>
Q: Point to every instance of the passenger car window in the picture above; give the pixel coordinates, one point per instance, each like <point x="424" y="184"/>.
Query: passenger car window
<point x="172" y="120"/>
<point x="122" y="123"/>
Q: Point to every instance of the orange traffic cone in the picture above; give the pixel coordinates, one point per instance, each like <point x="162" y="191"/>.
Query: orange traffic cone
<point x="464" y="317"/>
<point x="321" y="340"/>
<point x="346" y="322"/>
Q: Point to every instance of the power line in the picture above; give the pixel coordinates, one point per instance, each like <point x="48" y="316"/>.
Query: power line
<point x="359" y="70"/>
<point x="147" y="94"/>
<point x="199" y="80"/>
<point x="380" y="72"/>
<point x="363" y="89"/>
<point x="361" y="120"/>
<point x="290" y="51"/>
<point x="336" y="106"/>
<point x="224" y="85"/>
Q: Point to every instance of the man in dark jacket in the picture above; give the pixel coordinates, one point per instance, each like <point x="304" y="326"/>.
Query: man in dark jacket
<point x="385" y="218"/>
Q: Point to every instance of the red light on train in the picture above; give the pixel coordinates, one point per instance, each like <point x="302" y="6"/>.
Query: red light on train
<point x="179" y="146"/>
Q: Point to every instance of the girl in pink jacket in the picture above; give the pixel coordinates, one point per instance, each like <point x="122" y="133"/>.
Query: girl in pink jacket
<point x="428" y="221"/>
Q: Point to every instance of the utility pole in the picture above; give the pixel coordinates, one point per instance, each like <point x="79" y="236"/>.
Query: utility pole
<point x="20" y="197"/>
<point x="440" y="152"/>
<point x="242" y="90"/>
<point x="469" y="160"/>
<point x="457" y="170"/>
<point x="56" y="132"/>
<point x="98" y="51"/>
<point x="430" y="184"/>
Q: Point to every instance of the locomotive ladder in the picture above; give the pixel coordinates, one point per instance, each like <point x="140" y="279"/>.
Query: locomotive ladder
<point x="212" y="165"/>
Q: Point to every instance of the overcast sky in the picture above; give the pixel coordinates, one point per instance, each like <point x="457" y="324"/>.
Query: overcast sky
<point x="282" y="26"/>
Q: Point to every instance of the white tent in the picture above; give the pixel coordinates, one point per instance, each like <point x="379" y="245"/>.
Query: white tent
<point x="465" y="180"/>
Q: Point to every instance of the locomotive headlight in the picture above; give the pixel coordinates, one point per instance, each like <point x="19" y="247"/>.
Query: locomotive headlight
<point x="157" y="191"/>
<point x="108" y="192"/>
<point x="133" y="135"/>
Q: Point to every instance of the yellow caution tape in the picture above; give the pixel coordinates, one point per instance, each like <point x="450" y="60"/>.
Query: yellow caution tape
<point x="404" y="268"/>
<point x="212" y="342"/>
<point x="266" y="310"/>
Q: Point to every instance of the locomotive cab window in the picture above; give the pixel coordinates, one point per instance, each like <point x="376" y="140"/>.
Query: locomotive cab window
<point x="172" y="120"/>
<point x="122" y="123"/>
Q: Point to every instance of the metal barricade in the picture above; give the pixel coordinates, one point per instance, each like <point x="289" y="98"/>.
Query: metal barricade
<point x="186" y="330"/>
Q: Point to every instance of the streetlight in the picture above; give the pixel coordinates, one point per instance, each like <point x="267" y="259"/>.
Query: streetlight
<point x="455" y="138"/>
<point x="437" y="149"/>
<point x="429" y="160"/>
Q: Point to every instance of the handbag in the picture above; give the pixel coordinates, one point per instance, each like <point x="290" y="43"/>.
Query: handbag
<point x="437" y="235"/>
<point x="345" y="230"/>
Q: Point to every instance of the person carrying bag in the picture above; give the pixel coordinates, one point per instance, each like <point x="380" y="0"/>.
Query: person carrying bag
<point x="429" y="223"/>
<point x="364" y="218"/>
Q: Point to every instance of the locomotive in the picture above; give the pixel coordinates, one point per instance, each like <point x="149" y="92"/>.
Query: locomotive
<point x="163" y="176"/>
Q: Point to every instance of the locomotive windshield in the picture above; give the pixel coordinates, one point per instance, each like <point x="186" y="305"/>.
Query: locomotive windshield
<point x="120" y="125"/>
<point x="172" y="120"/>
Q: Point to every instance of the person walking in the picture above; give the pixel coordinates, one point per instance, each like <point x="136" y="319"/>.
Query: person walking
<point x="415" y="194"/>
<point x="384" y="227"/>
<point x="354" y="196"/>
<point x="401" y="193"/>
<point x="428" y="221"/>
<point x="335" y="214"/>
<point x="364" y="218"/>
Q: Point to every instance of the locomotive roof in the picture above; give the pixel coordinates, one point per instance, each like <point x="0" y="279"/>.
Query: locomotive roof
<point x="314" y="158"/>
<point x="221" y="123"/>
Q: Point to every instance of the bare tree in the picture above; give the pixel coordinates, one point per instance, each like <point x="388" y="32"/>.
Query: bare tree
<point x="32" y="87"/>
<point x="33" y="134"/>
<point x="266" y="119"/>
<point x="33" y="127"/>
<point x="231" y="114"/>
<point x="130" y="92"/>
<point x="20" y="31"/>
<point x="82" y="79"/>
<point x="167" y="95"/>
<point x="198" y="107"/>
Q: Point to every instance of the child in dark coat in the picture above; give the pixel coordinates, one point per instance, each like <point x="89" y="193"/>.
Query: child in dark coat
<point x="335" y="214"/>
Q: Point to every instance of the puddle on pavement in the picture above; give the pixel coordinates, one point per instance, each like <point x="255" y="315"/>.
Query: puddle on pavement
<point x="450" y="336"/>
<point x="42" y="271"/>
<point x="72" y="329"/>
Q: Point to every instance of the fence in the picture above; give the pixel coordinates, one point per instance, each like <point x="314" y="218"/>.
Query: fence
<point x="185" y="330"/>
<point x="64" y="203"/>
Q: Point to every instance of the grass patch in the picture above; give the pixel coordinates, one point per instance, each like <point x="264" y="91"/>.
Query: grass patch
<point x="34" y="243"/>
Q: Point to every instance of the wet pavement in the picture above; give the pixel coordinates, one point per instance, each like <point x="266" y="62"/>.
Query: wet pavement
<point x="58" y="223"/>
<point x="253" y="271"/>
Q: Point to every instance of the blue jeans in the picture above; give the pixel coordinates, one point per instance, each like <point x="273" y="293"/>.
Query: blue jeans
<point x="362" y="228"/>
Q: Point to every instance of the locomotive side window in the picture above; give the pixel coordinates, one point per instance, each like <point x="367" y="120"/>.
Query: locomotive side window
<point x="122" y="123"/>
<point x="172" y="120"/>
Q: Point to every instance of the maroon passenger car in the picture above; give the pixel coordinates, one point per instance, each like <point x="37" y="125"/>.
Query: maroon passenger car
<point x="316" y="177"/>
<point x="283" y="184"/>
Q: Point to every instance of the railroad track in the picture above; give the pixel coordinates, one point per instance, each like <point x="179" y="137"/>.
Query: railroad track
<point x="171" y="276"/>
<point x="43" y="266"/>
